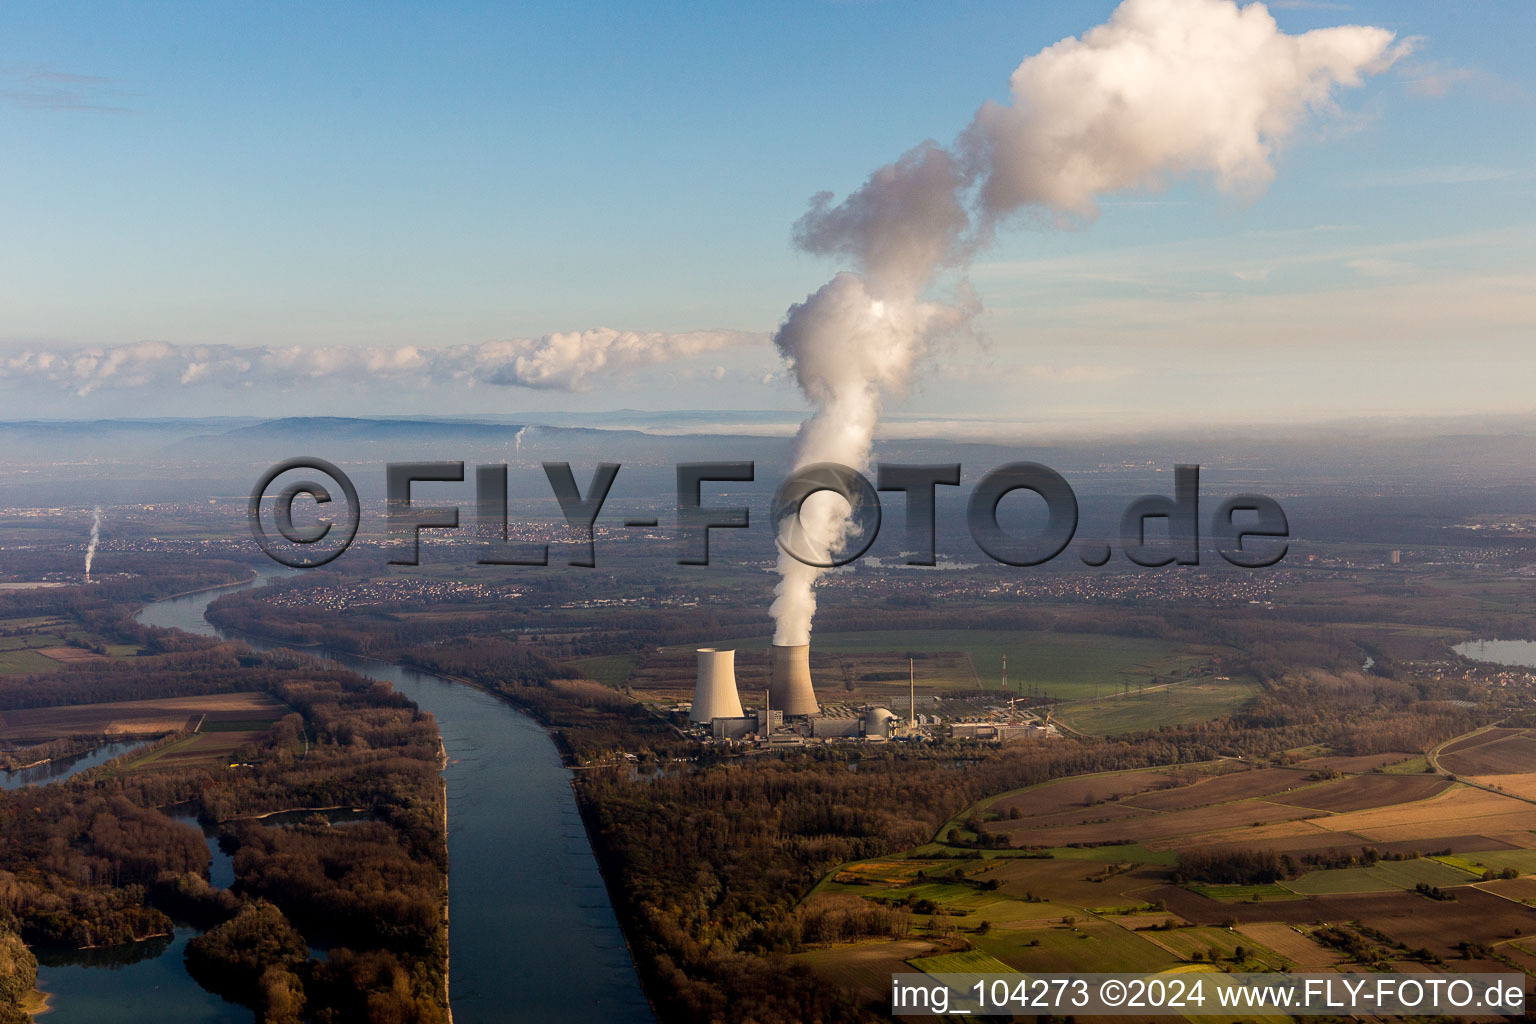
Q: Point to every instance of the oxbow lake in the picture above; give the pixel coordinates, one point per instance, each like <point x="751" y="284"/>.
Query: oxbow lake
<point x="532" y="933"/>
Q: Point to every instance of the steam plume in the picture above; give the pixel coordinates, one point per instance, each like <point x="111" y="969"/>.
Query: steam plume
<point x="90" y="550"/>
<point x="1165" y="90"/>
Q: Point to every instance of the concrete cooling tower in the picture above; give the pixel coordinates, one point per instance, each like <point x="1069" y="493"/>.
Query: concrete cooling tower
<point x="789" y="685"/>
<point x="714" y="695"/>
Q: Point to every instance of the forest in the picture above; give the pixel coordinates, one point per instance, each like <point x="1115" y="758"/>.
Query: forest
<point x="98" y="860"/>
<point x="18" y="973"/>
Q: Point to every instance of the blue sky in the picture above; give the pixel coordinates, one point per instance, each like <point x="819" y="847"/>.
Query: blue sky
<point x="451" y="174"/>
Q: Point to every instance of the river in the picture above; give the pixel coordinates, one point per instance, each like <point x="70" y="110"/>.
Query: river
<point x="533" y="936"/>
<point x="62" y="768"/>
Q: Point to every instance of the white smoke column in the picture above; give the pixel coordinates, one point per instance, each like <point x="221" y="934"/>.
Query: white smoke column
<point x="90" y="550"/>
<point x="518" y="440"/>
<point x="1166" y="89"/>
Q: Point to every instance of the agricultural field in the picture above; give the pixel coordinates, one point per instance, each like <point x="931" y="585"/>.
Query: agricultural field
<point x="46" y="643"/>
<point x="208" y="749"/>
<point x="1265" y="893"/>
<point x="1115" y="900"/>
<point x="874" y="665"/>
<point x="1361" y="792"/>
<point x="1357" y="763"/>
<point x="1458" y="810"/>
<point x="1493" y="752"/>
<point x="1222" y="789"/>
<point x="1081" y="945"/>
<point x="139" y="717"/>
<point x="25" y="661"/>
<point x="972" y="961"/>
<point x="611" y="670"/>
<point x="1196" y="700"/>
<point x="1520" y="784"/>
<point x="1521" y="890"/>
<point x="1478" y="861"/>
<point x="1294" y="943"/>
<point x="1384" y="876"/>
<point x="864" y="970"/>
<point x="1216" y="944"/>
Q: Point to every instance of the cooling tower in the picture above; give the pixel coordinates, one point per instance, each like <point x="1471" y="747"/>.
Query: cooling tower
<point x="714" y="696"/>
<point x="790" y="682"/>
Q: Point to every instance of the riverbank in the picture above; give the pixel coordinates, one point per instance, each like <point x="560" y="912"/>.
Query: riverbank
<point x="295" y="810"/>
<point x="36" y="1003"/>
<point x="548" y="949"/>
<point x="203" y="590"/>
<point x="442" y="760"/>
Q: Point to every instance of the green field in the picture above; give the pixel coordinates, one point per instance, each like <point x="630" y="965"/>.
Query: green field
<point x="1197" y="700"/>
<point x="21" y="643"/>
<point x="610" y="670"/>
<point x="1412" y="766"/>
<point x="182" y="745"/>
<point x="955" y="897"/>
<point x="1245" y="893"/>
<point x="1465" y="863"/>
<point x="21" y="662"/>
<point x="1523" y="861"/>
<point x="1063" y="665"/>
<point x="18" y="654"/>
<point x="1217" y="943"/>
<point x="972" y="961"/>
<point x="237" y="725"/>
<point x="1385" y="876"/>
<point x="1090" y="946"/>
<point x="1131" y="853"/>
<point x="31" y="622"/>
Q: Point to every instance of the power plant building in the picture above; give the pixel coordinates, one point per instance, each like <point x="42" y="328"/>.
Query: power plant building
<point x="733" y="728"/>
<point x="789" y="687"/>
<point x="873" y="724"/>
<point x="714" y="694"/>
<point x="879" y="722"/>
<point x="837" y="728"/>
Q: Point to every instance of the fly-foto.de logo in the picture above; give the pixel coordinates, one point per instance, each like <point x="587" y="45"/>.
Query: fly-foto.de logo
<point x="1246" y="530"/>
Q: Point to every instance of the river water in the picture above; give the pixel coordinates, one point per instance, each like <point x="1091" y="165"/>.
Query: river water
<point x="533" y="936"/>
<point x="62" y="768"/>
<point x="1520" y="653"/>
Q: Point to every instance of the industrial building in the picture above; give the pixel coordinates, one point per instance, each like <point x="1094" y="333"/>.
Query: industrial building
<point x="789" y="687"/>
<point x="733" y="728"/>
<point x="714" y="694"/>
<point x="790" y="713"/>
<point x="999" y="732"/>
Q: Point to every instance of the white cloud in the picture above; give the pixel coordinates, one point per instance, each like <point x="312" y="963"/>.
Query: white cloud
<point x="1436" y="78"/>
<point x="566" y="361"/>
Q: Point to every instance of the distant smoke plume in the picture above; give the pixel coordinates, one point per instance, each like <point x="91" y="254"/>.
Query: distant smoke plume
<point x="1165" y="90"/>
<point x="90" y="549"/>
<point x="517" y="441"/>
<point x="560" y="362"/>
